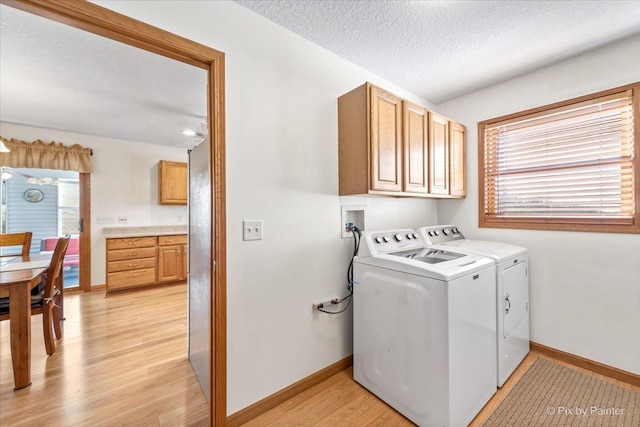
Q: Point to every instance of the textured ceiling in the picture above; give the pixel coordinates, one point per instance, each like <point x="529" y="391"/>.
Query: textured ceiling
<point x="444" y="49"/>
<point x="56" y="76"/>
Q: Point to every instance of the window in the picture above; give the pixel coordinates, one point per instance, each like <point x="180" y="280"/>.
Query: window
<point x="68" y="207"/>
<point x="568" y="166"/>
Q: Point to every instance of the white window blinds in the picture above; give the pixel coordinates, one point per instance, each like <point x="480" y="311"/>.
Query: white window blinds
<point x="574" y="161"/>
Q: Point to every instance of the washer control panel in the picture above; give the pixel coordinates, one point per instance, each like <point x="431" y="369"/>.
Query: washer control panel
<point x="377" y="242"/>
<point x="440" y="234"/>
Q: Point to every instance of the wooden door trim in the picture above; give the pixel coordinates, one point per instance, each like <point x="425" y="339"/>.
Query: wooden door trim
<point x="85" y="235"/>
<point x="98" y="20"/>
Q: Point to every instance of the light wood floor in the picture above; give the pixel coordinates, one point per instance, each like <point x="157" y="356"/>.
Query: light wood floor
<point x="340" y="401"/>
<point x="122" y="361"/>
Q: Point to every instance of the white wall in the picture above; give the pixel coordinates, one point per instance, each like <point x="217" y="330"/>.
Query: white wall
<point x="282" y="167"/>
<point x="585" y="287"/>
<point x="124" y="182"/>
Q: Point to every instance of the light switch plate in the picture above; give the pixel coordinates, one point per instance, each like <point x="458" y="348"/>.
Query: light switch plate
<point x="252" y="229"/>
<point x="105" y="220"/>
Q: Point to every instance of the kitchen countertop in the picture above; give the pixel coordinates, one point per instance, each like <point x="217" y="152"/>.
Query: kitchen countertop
<point x="145" y="230"/>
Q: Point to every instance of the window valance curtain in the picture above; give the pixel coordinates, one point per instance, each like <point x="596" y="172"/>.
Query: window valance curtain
<point x="43" y="155"/>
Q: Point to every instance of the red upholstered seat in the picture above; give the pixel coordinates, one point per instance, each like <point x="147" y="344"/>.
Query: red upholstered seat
<point x="72" y="258"/>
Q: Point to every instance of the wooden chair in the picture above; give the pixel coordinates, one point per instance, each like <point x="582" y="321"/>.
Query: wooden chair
<point x="47" y="302"/>
<point x="17" y="239"/>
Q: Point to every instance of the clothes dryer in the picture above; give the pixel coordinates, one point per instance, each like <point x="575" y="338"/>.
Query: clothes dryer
<point x="512" y="290"/>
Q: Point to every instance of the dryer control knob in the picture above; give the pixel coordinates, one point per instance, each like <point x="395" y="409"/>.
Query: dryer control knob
<point x="385" y="238"/>
<point x="378" y="239"/>
<point x="415" y="235"/>
<point x="445" y="231"/>
<point x="398" y="237"/>
<point x="435" y="233"/>
<point x="409" y="236"/>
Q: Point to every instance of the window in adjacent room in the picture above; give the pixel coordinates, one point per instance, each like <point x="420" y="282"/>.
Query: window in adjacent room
<point x="568" y="166"/>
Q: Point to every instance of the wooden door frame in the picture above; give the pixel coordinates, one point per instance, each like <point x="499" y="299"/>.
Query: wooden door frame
<point x="98" y="20"/>
<point x="84" y="279"/>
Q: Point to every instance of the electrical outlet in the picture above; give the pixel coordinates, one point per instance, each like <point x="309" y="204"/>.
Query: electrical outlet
<point x="252" y="229"/>
<point x="326" y="304"/>
<point x="105" y="220"/>
<point x="122" y="219"/>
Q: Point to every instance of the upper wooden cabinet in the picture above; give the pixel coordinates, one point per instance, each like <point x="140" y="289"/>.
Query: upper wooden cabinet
<point x="172" y="183"/>
<point x="386" y="141"/>
<point x="389" y="146"/>
<point x="457" y="170"/>
<point x="416" y="148"/>
<point x="438" y="154"/>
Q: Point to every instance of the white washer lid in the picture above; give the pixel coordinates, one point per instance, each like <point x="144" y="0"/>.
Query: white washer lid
<point x="445" y="271"/>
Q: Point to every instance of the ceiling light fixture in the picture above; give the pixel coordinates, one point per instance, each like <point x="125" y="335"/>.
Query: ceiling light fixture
<point x="187" y="132"/>
<point x="4" y="149"/>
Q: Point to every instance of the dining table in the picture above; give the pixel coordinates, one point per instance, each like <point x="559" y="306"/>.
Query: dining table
<point x="18" y="276"/>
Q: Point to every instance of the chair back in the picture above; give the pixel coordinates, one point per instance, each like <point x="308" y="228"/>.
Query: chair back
<point x="54" y="275"/>
<point x="17" y="239"/>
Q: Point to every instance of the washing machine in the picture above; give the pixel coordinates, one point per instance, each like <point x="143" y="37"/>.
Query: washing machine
<point x="512" y="292"/>
<point x="424" y="328"/>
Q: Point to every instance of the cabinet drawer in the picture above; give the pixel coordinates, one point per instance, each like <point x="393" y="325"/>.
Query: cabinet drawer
<point x="133" y="242"/>
<point x="133" y="253"/>
<point x="180" y="239"/>
<point x="125" y="279"/>
<point x="133" y="264"/>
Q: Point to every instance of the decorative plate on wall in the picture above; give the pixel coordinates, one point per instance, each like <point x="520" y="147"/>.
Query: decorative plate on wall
<point x="33" y="195"/>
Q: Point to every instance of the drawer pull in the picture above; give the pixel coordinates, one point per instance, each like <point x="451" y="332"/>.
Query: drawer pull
<point x="133" y="254"/>
<point x="132" y="275"/>
<point x="132" y="265"/>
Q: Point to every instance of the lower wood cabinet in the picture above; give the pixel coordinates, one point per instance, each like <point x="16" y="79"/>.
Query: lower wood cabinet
<point x="143" y="261"/>
<point x="172" y="258"/>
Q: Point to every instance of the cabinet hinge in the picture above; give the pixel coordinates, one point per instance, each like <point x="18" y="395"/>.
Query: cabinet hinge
<point x="213" y="265"/>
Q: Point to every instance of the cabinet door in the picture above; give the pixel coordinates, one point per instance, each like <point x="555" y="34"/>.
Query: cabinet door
<point x="386" y="141"/>
<point x="169" y="263"/>
<point x="457" y="173"/>
<point x="184" y="262"/>
<point x="438" y="154"/>
<point x="416" y="149"/>
<point x="172" y="183"/>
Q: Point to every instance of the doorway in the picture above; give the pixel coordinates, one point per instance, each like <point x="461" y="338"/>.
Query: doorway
<point x="98" y="20"/>
<point x="47" y="203"/>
